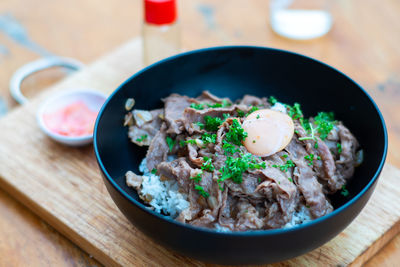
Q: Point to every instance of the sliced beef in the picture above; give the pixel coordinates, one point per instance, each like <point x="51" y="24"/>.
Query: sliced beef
<point x="133" y="180"/>
<point x="248" y="217"/>
<point x="143" y="134"/>
<point x="325" y="168"/>
<point x="347" y="157"/>
<point x="191" y="116"/>
<point x="207" y="97"/>
<point x="179" y="170"/>
<point x="158" y="149"/>
<point x="174" y="106"/>
<point x="307" y="182"/>
<point x="250" y="100"/>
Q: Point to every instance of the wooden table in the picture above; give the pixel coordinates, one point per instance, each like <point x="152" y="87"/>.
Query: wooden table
<point x="363" y="43"/>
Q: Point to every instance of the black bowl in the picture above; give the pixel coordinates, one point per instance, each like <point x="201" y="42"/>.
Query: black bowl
<point x="233" y="72"/>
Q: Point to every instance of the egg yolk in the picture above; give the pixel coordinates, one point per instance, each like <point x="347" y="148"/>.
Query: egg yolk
<point x="268" y="131"/>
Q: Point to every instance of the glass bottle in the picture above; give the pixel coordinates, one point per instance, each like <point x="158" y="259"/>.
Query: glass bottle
<point x="161" y="31"/>
<point x="300" y="19"/>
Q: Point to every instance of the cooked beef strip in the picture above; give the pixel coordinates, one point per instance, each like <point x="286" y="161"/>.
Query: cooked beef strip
<point x="158" y="149"/>
<point x="347" y="158"/>
<point x="179" y="170"/>
<point x="250" y="100"/>
<point x="307" y="182"/>
<point x="207" y="97"/>
<point x="174" y="106"/>
<point x="149" y="129"/>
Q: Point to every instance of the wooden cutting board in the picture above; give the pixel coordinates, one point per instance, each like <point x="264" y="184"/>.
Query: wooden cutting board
<point x="64" y="187"/>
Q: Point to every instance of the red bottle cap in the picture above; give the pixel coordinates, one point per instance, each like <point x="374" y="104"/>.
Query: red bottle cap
<point x="160" y="11"/>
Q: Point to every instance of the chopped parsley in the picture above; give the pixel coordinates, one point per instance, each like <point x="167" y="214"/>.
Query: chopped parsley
<point x="211" y="123"/>
<point x="197" y="106"/>
<point x="284" y="156"/>
<point x="236" y="134"/>
<point x="225" y="103"/>
<point x="339" y="148"/>
<point x="312" y="134"/>
<point x="142" y="138"/>
<point x="154" y="171"/>
<point x="207" y="165"/>
<point x="258" y="116"/>
<point x="310" y="159"/>
<point x="171" y="143"/>
<point x="285" y="167"/>
<point x="229" y="148"/>
<point x="240" y="113"/>
<point x="201" y="191"/>
<point x="344" y="191"/>
<point x="272" y="100"/>
<point x="226" y="115"/>
<point x="254" y="141"/>
<point x="200" y="106"/>
<point x="189" y="141"/>
<point x="253" y="108"/>
<point x="290" y="180"/>
<point x="200" y="124"/>
<point x="209" y="138"/>
<point x="235" y="167"/>
<point x="197" y="178"/>
<point x="325" y="122"/>
<point x="295" y="111"/>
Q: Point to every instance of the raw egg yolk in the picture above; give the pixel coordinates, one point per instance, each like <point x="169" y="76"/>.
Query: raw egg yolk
<point x="268" y="131"/>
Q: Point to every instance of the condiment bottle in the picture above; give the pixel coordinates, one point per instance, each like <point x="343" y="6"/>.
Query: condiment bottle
<point x="161" y="31"/>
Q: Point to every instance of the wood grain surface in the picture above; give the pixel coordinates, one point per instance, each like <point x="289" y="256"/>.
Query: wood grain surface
<point x="363" y="43"/>
<point x="63" y="186"/>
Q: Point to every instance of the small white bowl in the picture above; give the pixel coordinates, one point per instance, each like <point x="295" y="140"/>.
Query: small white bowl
<point x="93" y="99"/>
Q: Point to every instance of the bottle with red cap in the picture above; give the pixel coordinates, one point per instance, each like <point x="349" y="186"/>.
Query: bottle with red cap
<point x="161" y="31"/>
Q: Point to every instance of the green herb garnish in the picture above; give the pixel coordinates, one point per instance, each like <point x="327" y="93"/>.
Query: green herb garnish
<point x="339" y="148"/>
<point x="344" y="191"/>
<point x="272" y="100"/>
<point x="235" y="167"/>
<point x="253" y="108"/>
<point x="291" y="180"/>
<point x="236" y="134"/>
<point x="200" y="124"/>
<point x="209" y="138"/>
<point x="201" y="191"/>
<point x="171" y="143"/>
<point x="154" y="171"/>
<point x="325" y="122"/>
<point x="229" y="148"/>
<point x="197" y="178"/>
<point x="285" y="167"/>
<point x="310" y="159"/>
<point x="197" y="106"/>
<point x="142" y="138"/>
<point x="240" y="113"/>
<point x="207" y="165"/>
<point x="295" y="111"/>
<point x="225" y="103"/>
<point x="211" y="123"/>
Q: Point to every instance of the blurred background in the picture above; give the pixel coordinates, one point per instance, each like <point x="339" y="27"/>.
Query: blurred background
<point x="363" y="42"/>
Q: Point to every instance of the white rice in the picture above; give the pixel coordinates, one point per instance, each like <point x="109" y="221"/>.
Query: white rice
<point x="279" y="107"/>
<point x="299" y="217"/>
<point x="164" y="195"/>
